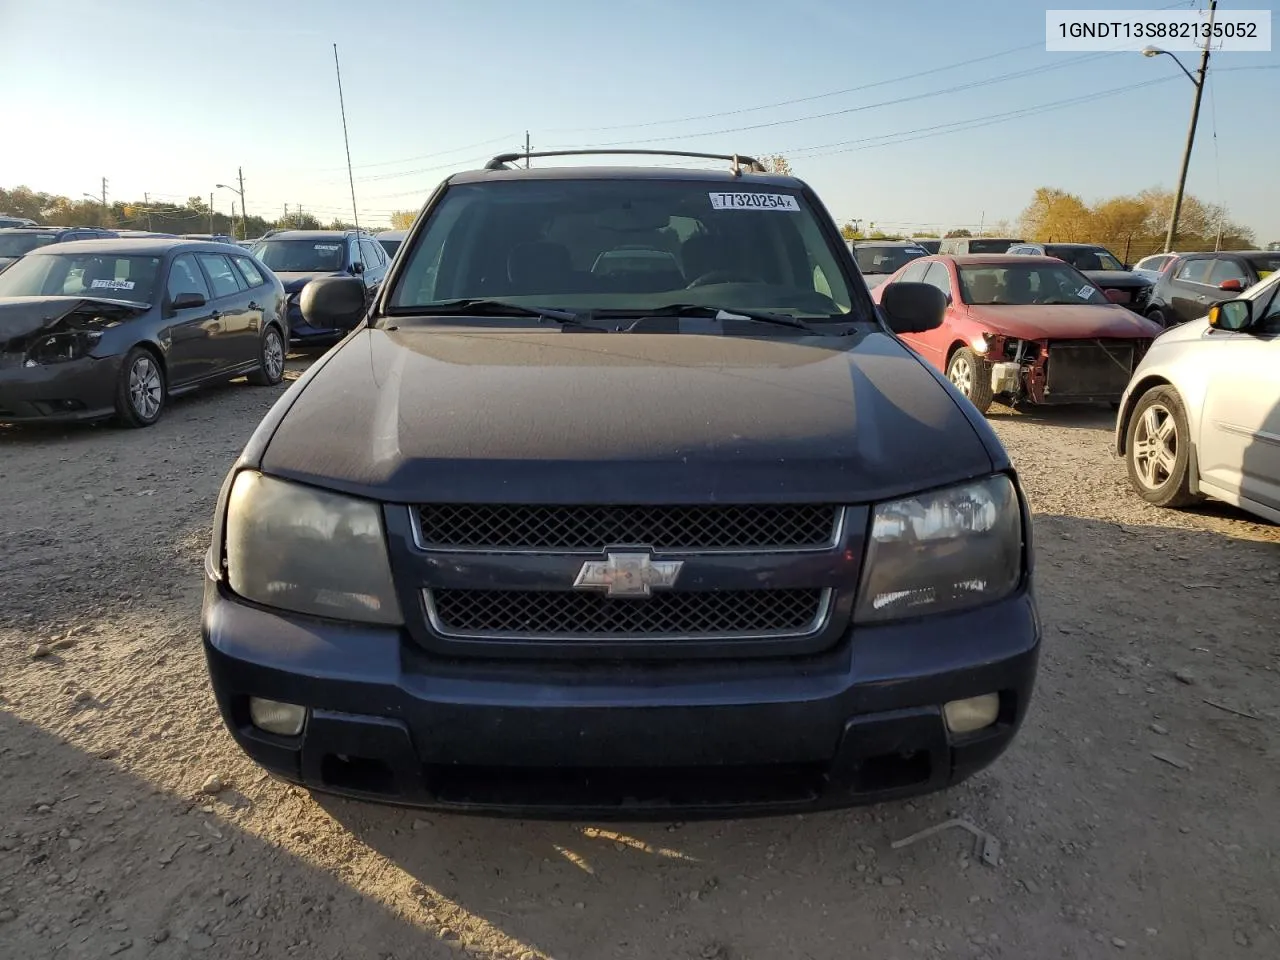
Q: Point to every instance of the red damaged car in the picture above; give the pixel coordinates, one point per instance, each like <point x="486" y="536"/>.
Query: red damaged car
<point x="1026" y="330"/>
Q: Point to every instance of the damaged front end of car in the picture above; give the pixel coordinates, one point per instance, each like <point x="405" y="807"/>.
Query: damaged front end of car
<point x="39" y="331"/>
<point x="1093" y="370"/>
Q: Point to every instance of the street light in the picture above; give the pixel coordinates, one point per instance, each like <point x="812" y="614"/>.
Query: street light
<point x="1197" y="81"/>
<point x="244" y="229"/>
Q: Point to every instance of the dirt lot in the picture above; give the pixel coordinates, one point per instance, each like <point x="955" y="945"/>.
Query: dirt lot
<point x="1136" y="814"/>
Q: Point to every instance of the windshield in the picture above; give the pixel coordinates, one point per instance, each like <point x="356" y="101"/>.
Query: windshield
<point x="303" y="256"/>
<point x="106" y="275"/>
<point x="1265" y="265"/>
<point x="1032" y="284"/>
<point x="885" y="259"/>
<point x="17" y="244"/>
<point x="626" y="245"/>
<point x="1085" y="258"/>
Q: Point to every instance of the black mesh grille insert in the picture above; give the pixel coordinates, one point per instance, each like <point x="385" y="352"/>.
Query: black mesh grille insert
<point x="715" y="527"/>
<point x="533" y="613"/>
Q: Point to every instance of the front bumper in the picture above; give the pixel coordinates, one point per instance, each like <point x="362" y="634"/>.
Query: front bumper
<point x="74" y="390"/>
<point x="389" y="722"/>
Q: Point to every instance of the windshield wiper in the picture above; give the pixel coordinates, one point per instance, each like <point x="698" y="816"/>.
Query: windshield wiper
<point x="715" y="313"/>
<point x="485" y="307"/>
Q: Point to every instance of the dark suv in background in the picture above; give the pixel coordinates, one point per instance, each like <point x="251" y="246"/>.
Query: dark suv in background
<point x="1194" y="282"/>
<point x="1116" y="281"/>
<point x="623" y="499"/>
<point x="16" y="242"/>
<point x="300" y="256"/>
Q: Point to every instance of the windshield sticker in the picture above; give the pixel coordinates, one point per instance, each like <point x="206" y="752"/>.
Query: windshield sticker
<point x="1085" y="293"/>
<point x="112" y="285"/>
<point x="328" y="247"/>
<point x="754" y="201"/>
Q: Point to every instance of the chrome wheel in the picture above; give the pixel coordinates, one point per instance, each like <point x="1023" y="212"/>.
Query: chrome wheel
<point x="273" y="356"/>
<point x="1155" y="446"/>
<point x="146" y="388"/>
<point x="961" y="374"/>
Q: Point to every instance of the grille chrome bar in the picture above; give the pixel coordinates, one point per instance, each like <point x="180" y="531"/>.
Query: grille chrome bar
<point x="591" y="529"/>
<point x="532" y="615"/>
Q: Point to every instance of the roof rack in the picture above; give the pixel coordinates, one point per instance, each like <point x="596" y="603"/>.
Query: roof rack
<point x="738" y="160"/>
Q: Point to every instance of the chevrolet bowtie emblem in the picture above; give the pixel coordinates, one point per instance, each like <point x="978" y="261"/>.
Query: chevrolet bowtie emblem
<point x="628" y="574"/>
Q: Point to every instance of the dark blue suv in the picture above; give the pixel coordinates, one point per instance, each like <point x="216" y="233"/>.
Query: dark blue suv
<point x="624" y="498"/>
<point x="300" y="256"/>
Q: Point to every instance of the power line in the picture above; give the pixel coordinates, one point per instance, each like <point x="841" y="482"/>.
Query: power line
<point x="906" y="136"/>
<point x="973" y="84"/>
<point x="809" y="99"/>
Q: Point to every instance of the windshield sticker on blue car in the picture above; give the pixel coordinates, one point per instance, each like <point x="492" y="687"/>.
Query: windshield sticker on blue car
<point x="741" y="200"/>
<point x="1085" y="293"/>
<point x="112" y="285"/>
<point x="328" y="247"/>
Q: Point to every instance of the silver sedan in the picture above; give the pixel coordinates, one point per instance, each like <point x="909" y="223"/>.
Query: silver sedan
<point x="1201" y="415"/>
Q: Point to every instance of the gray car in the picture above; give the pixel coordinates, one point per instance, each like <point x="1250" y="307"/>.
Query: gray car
<point x="1201" y="416"/>
<point x="102" y="328"/>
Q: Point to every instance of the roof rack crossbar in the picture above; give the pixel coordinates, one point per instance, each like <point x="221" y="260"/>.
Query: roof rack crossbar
<point x="738" y="160"/>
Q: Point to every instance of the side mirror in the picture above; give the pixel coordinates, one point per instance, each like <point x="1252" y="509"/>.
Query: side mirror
<point x="357" y="267"/>
<point x="1232" y="284"/>
<point x="187" y="300"/>
<point x="913" y="307"/>
<point x="333" y="303"/>
<point x="1232" y="315"/>
<point x="1127" y="267"/>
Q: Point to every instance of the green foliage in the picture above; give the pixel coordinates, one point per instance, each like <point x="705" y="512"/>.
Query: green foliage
<point x="956" y="233"/>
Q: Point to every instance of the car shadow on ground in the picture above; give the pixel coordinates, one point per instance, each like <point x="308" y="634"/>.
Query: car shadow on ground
<point x="95" y="862"/>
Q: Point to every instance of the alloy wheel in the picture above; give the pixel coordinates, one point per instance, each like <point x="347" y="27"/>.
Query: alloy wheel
<point x="146" y="388"/>
<point x="1155" y="446"/>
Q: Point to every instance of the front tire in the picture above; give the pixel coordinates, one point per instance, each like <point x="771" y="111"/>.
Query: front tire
<point x="1158" y="449"/>
<point x="141" y="393"/>
<point x="271" y="352"/>
<point x="1157" y="315"/>
<point x="972" y="377"/>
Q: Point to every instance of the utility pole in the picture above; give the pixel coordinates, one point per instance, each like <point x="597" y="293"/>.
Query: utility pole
<point x="146" y="199"/>
<point x="106" y="222"/>
<point x="1198" y="82"/>
<point x="211" y="213"/>
<point x="527" y="149"/>
<point x="244" y="225"/>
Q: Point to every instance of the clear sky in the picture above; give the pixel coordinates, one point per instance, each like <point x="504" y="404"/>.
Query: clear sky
<point x="171" y="96"/>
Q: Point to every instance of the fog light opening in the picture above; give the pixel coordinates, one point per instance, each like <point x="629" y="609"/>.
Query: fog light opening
<point x="974" y="713"/>
<point x="284" y="719"/>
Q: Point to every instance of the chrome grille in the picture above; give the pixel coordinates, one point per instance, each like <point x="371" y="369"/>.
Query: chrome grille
<point x="515" y="614"/>
<point x="592" y="528"/>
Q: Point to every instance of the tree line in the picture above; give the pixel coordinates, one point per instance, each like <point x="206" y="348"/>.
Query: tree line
<point x="1131" y="226"/>
<point x="193" y="216"/>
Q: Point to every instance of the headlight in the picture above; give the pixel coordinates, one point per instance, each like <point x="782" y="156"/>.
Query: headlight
<point x="61" y="347"/>
<point x="308" y="550"/>
<point x="942" y="551"/>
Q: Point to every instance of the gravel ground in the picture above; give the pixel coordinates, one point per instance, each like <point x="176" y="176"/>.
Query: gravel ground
<point x="1136" y="814"/>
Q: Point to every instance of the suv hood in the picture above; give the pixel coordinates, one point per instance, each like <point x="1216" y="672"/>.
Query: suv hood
<point x="549" y="417"/>
<point x="1064" y="321"/>
<point x="293" y="282"/>
<point x="20" y="317"/>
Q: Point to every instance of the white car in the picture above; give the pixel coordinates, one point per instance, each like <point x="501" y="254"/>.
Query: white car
<point x="1150" y="268"/>
<point x="1201" y="414"/>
